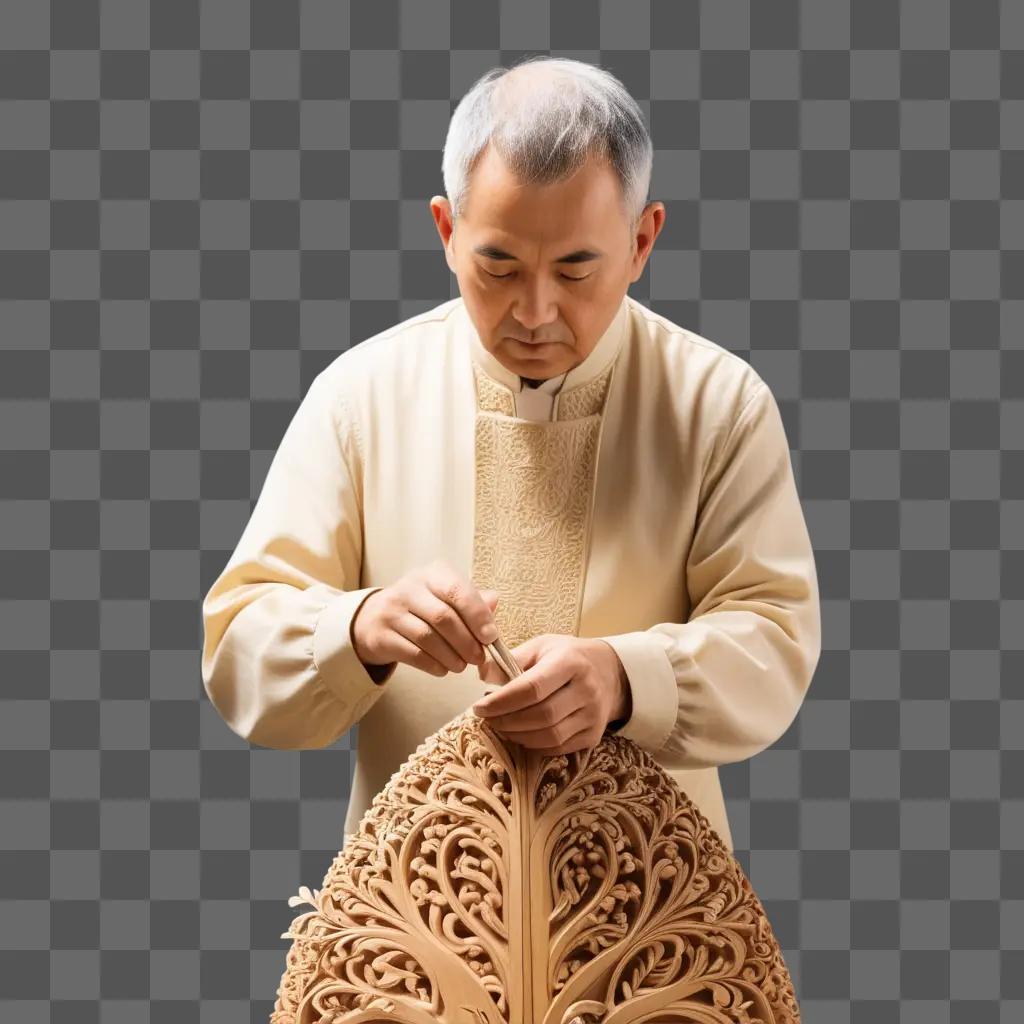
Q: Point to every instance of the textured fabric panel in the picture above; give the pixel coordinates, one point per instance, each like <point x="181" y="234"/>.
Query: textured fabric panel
<point x="534" y="498"/>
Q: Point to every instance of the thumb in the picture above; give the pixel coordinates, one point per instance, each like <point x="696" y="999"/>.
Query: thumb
<point x="527" y="654"/>
<point x="489" y="671"/>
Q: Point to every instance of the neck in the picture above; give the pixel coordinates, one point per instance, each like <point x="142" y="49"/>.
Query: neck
<point x="533" y="382"/>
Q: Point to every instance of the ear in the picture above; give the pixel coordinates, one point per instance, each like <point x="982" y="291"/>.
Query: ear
<point x="440" y="210"/>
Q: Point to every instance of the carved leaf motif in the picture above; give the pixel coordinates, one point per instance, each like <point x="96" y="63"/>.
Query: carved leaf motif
<point x="490" y="885"/>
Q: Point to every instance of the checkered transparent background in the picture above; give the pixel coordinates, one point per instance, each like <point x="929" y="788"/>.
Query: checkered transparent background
<point x="202" y="204"/>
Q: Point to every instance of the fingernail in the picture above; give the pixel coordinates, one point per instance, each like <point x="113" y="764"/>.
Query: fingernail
<point x="489" y="633"/>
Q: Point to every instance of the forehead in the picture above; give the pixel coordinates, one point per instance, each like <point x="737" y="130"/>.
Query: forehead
<point x="579" y="212"/>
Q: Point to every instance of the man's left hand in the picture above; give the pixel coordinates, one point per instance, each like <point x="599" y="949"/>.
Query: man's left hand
<point x="569" y="690"/>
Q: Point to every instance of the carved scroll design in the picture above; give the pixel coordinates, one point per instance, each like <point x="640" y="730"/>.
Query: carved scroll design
<point x="625" y="908"/>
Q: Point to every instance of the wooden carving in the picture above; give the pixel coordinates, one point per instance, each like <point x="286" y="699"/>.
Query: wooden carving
<point x="488" y="884"/>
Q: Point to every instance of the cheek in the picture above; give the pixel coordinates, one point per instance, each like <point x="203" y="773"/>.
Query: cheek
<point x="482" y="289"/>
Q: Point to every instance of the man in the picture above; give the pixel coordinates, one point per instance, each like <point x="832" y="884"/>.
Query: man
<point x="543" y="453"/>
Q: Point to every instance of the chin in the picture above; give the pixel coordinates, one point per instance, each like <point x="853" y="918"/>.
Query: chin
<point x="542" y="367"/>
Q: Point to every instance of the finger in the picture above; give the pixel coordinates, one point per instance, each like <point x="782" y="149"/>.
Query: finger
<point x="444" y="620"/>
<point x="527" y="654"/>
<point x="557" y="738"/>
<point x="411" y="654"/>
<point x="491" y="672"/>
<point x="460" y="594"/>
<point x="549" y="714"/>
<point x="533" y="686"/>
<point x="429" y="641"/>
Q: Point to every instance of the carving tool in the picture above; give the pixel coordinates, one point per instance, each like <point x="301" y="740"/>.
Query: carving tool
<point x="503" y="659"/>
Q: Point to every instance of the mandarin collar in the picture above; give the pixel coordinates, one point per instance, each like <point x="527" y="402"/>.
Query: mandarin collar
<point x="600" y="357"/>
<point x="550" y="386"/>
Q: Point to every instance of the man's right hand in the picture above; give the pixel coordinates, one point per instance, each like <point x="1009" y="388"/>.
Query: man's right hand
<point x="432" y="618"/>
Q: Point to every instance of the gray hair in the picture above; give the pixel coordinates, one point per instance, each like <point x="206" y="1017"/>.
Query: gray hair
<point x="545" y="116"/>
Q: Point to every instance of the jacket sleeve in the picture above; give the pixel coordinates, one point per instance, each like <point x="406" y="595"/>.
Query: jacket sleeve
<point x="278" y="662"/>
<point x="727" y="683"/>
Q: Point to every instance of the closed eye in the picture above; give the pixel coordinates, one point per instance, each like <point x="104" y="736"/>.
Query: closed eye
<point x="566" y="277"/>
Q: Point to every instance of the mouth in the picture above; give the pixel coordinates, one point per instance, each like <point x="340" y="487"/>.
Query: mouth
<point x="533" y="344"/>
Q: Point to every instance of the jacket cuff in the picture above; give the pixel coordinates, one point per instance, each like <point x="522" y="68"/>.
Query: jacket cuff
<point x="334" y="653"/>
<point x="652" y="684"/>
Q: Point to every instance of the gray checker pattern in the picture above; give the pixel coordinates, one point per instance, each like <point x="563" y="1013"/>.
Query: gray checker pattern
<point x="202" y="204"/>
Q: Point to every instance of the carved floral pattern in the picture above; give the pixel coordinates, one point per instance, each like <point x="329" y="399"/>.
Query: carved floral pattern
<point x="488" y="884"/>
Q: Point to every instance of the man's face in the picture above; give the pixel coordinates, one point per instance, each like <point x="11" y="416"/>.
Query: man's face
<point x="538" y="313"/>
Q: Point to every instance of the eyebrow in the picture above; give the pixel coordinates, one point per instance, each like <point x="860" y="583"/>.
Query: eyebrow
<point x="492" y="252"/>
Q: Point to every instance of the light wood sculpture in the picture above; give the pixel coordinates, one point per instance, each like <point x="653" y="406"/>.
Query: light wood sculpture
<point x="488" y="884"/>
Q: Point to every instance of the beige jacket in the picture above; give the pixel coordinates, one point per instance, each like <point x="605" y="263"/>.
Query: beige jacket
<point x="656" y="507"/>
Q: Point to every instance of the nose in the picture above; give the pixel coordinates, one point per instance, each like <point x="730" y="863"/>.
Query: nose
<point x="534" y="308"/>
